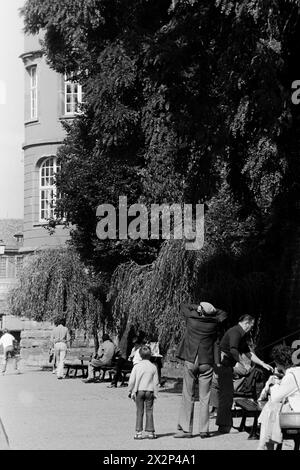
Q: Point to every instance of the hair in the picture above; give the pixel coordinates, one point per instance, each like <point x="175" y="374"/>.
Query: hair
<point x="145" y="352"/>
<point x="246" y="318"/>
<point x="282" y="355"/>
<point x="60" y="321"/>
<point x="106" y="337"/>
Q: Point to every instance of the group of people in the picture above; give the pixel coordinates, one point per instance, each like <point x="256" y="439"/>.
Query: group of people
<point x="212" y="356"/>
<point x="111" y="355"/>
<point x="203" y="350"/>
<point x="281" y="394"/>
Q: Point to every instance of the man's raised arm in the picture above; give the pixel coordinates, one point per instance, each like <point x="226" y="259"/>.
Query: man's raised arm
<point x="186" y="309"/>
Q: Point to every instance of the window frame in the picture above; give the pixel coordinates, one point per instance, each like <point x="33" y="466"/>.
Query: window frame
<point x="33" y="92"/>
<point x="47" y="188"/>
<point x="68" y="81"/>
<point x="4" y="258"/>
<point x="19" y="259"/>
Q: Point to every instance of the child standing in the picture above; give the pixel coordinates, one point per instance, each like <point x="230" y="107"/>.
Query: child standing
<point x="143" y="389"/>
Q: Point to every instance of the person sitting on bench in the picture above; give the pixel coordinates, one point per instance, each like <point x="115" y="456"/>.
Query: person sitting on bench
<point x="126" y="364"/>
<point x="241" y="370"/>
<point x="104" y="357"/>
<point x="278" y="391"/>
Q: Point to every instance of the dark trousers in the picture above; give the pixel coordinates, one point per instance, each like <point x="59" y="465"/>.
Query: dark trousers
<point x="9" y="352"/>
<point x="144" y="401"/>
<point x="225" y="378"/>
<point x="121" y="364"/>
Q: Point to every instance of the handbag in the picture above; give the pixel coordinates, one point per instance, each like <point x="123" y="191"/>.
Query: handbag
<point x="51" y="355"/>
<point x="289" y="419"/>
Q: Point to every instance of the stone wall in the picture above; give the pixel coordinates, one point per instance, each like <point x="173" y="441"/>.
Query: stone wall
<point x="35" y="343"/>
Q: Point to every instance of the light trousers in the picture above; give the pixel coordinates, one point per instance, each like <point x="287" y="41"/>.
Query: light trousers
<point x="192" y="372"/>
<point x="60" y="351"/>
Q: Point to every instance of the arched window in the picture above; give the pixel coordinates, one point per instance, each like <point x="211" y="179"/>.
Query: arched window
<point x="48" y="192"/>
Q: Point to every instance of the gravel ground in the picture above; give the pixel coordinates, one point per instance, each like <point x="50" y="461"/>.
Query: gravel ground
<point x="40" y="412"/>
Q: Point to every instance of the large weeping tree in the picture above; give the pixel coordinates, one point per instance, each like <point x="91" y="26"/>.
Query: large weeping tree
<point x="185" y="101"/>
<point x="55" y="284"/>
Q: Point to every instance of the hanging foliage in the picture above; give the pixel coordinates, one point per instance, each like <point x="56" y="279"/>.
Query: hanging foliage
<point x="148" y="297"/>
<point x="54" y="283"/>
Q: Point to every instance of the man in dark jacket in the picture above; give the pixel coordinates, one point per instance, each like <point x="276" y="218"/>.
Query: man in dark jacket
<point x="198" y="350"/>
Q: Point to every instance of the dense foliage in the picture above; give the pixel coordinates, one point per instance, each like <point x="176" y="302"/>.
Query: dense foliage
<point x="185" y="101"/>
<point x="55" y="284"/>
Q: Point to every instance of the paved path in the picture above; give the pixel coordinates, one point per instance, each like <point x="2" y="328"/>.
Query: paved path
<point x="41" y="412"/>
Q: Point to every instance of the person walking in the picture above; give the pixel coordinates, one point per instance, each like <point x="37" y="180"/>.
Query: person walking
<point x="143" y="389"/>
<point x="232" y="346"/>
<point x="60" y="339"/>
<point x="8" y="342"/>
<point x="197" y="349"/>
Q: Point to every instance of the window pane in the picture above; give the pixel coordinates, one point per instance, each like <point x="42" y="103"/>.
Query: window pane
<point x="19" y="265"/>
<point x="33" y="92"/>
<point x="47" y="188"/>
<point x="3" y="266"/>
<point x="73" y="96"/>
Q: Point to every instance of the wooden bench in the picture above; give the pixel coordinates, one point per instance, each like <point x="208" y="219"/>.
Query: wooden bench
<point x="250" y="409"/>
<point x="290" y="428"/>
<point x="102" y="370"/>
<point x="290" y="434"/>
<point x="125" y="373"/>
<point x="82" y="366"/>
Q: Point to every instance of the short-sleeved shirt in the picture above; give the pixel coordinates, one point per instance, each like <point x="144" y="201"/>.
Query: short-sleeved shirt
<point x="7" y="340"/>
<point x="60" y="334"/>
<point x="234" y="343"/>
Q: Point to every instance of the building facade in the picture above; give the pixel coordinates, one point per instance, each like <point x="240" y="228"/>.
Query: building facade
<point x="50" y="98"/>
<point x="10" y="266"/>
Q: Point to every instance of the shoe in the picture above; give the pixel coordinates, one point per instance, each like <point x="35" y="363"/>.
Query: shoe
<point x="182" y="435"/>
<point x="59" y="378"/>
<point x="138" y="436"/>
<point x="224" y="429"/>
<point x="204" y="435"/>
<point x="151" y="435"/>
<point x="54" y="371"/>
<point x="124" y="385"/>
<point x="88" y="381"/>
<point x="112" y="386"/>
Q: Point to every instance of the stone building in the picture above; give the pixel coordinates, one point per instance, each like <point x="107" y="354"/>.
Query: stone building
<point x="10" y="265"/>
<point x="50" y="98"/>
